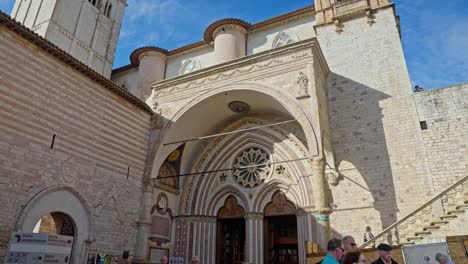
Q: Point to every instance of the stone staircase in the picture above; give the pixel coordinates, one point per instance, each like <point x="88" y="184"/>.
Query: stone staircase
<point x="444" y="215"/>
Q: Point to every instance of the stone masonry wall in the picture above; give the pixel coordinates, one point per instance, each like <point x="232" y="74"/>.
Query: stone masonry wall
<point x="376" y="138"/>
<point x="445" y="112"/>
<point x="99" y="149"/>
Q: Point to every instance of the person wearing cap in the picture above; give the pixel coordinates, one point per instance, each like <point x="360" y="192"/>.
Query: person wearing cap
<point x="334" y="252"/>
<point x="385" y="253"/>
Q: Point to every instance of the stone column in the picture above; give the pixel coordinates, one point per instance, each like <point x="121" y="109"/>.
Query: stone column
<point x="254" y="237"/>
<point x="205" y="239"/>
<point x="144" y="222"/>
<point x="229" y="43"/>
<point x="322" y="210"/>
<point x="305" y="230"/>
<point x="144" y="227"/>
<point x="151" y="62"/>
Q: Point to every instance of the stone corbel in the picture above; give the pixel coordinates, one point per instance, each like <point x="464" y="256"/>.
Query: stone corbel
<point x="370" y="18"/>
<point x="333" y="178"/>
<point x="338" y="26"/>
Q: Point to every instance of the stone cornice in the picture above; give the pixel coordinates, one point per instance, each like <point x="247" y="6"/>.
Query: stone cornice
<point x="66" y="58"/>
<point x="266" y="59"/>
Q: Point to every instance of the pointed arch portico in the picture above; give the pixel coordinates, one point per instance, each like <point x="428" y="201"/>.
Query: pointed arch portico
<point x="195" y="105"/>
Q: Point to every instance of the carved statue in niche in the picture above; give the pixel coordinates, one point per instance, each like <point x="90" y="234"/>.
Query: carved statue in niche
<point x="231" y="209"/>
<point x="279" y="205"/>
<point x="302" y="86"/>
<point x="161" y="220"/>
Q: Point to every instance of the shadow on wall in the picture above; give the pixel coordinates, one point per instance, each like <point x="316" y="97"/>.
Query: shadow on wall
<point x="359" y="138"/>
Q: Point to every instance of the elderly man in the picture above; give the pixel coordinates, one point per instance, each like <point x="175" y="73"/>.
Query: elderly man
<point x="385" y="253"/>
<point x="164" y="260"/>
<point x="348" y="244"/>
<point x="195" y="260"/>
<point x="334" y="252"/>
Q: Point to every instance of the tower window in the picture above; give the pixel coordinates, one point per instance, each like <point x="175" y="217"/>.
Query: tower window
<point x="107" y="9"/>
<point x="423" y="125"/>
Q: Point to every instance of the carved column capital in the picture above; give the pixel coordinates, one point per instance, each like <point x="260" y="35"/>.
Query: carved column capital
<point x="253" y="216"/>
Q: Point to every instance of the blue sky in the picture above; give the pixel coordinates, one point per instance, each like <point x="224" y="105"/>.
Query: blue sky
<point x="434" y="32"/>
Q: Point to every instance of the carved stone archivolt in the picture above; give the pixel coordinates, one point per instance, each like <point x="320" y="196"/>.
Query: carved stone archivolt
<point x="231" y="209"/>
<point x="280" y="205"/>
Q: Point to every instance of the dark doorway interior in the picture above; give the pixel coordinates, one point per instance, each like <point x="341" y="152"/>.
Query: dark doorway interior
<point x="231" y="241"/>
<point x="281" y="240"/>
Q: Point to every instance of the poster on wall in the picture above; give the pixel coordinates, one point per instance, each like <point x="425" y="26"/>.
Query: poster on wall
<point x="38" y="248"/>
<point x="425" y="253"/>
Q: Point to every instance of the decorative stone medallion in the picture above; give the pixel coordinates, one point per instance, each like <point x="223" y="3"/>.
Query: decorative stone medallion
<point x="252" y="167"/>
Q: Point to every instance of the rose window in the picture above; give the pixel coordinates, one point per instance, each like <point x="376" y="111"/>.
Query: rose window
<point x="251" y="167"/>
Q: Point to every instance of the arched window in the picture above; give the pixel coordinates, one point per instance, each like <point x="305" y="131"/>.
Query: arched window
<point x="94" y="2"/>
<point x="189" y="66"/>
<point x="109" y="10"/>
<point x="105" y="7"/>
<point x="284" y="38"/>
<point x="98" y="5"/>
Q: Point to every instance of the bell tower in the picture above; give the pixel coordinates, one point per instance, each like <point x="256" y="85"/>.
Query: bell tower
<point x="86" y="29"/>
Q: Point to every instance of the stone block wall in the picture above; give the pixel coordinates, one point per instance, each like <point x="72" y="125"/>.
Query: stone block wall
<point x="59" y="127"/>
<point x="445" y="114"/>
<point x="375" y="133"/>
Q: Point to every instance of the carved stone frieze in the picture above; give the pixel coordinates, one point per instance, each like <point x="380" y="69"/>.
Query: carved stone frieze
<point x="266" y="62"/>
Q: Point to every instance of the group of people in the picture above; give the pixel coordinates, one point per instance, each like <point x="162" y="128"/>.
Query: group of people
<point x="345" y="252"/>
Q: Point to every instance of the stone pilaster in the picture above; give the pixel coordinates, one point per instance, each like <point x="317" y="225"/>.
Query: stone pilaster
<point x="322" y="210"/>
<point x="144" y="223"/>
<point x="254" y="237"/>
<point x="306" y="229"/>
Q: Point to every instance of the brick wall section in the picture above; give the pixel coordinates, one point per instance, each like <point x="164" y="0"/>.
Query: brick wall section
<point x="446" y="138"/>
<point x="97" y="131"/>
<point x="374" y="126"/>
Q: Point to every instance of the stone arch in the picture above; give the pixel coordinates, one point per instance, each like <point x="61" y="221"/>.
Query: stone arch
<point x="266" y="194"/>
<point x="287" y="101"/>
<point x="199" y="202"/>
<point x="221" y="195"/>
<point x="67" y="200"/>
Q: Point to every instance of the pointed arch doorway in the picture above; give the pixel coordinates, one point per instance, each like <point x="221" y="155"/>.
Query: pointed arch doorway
<point x="280" y="229"/>
<point x="230" y="244"/>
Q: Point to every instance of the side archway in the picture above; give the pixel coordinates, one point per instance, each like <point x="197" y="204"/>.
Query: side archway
<point x="63" y="199"/>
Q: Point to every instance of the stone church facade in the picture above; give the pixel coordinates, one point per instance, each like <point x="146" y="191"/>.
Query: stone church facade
<point x="119" y="156"/>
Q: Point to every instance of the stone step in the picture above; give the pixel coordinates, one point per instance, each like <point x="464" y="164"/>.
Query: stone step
<point x="414" y="238"/>
<point x="443" y="217"/>
<point x="422" y="233"/>
<point x="442" y="222"/>
<point x="431" y="228"/>
<point x="453" y="212"/>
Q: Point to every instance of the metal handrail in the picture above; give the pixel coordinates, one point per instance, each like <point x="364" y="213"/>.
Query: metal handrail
<point x="437" y="197"/>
